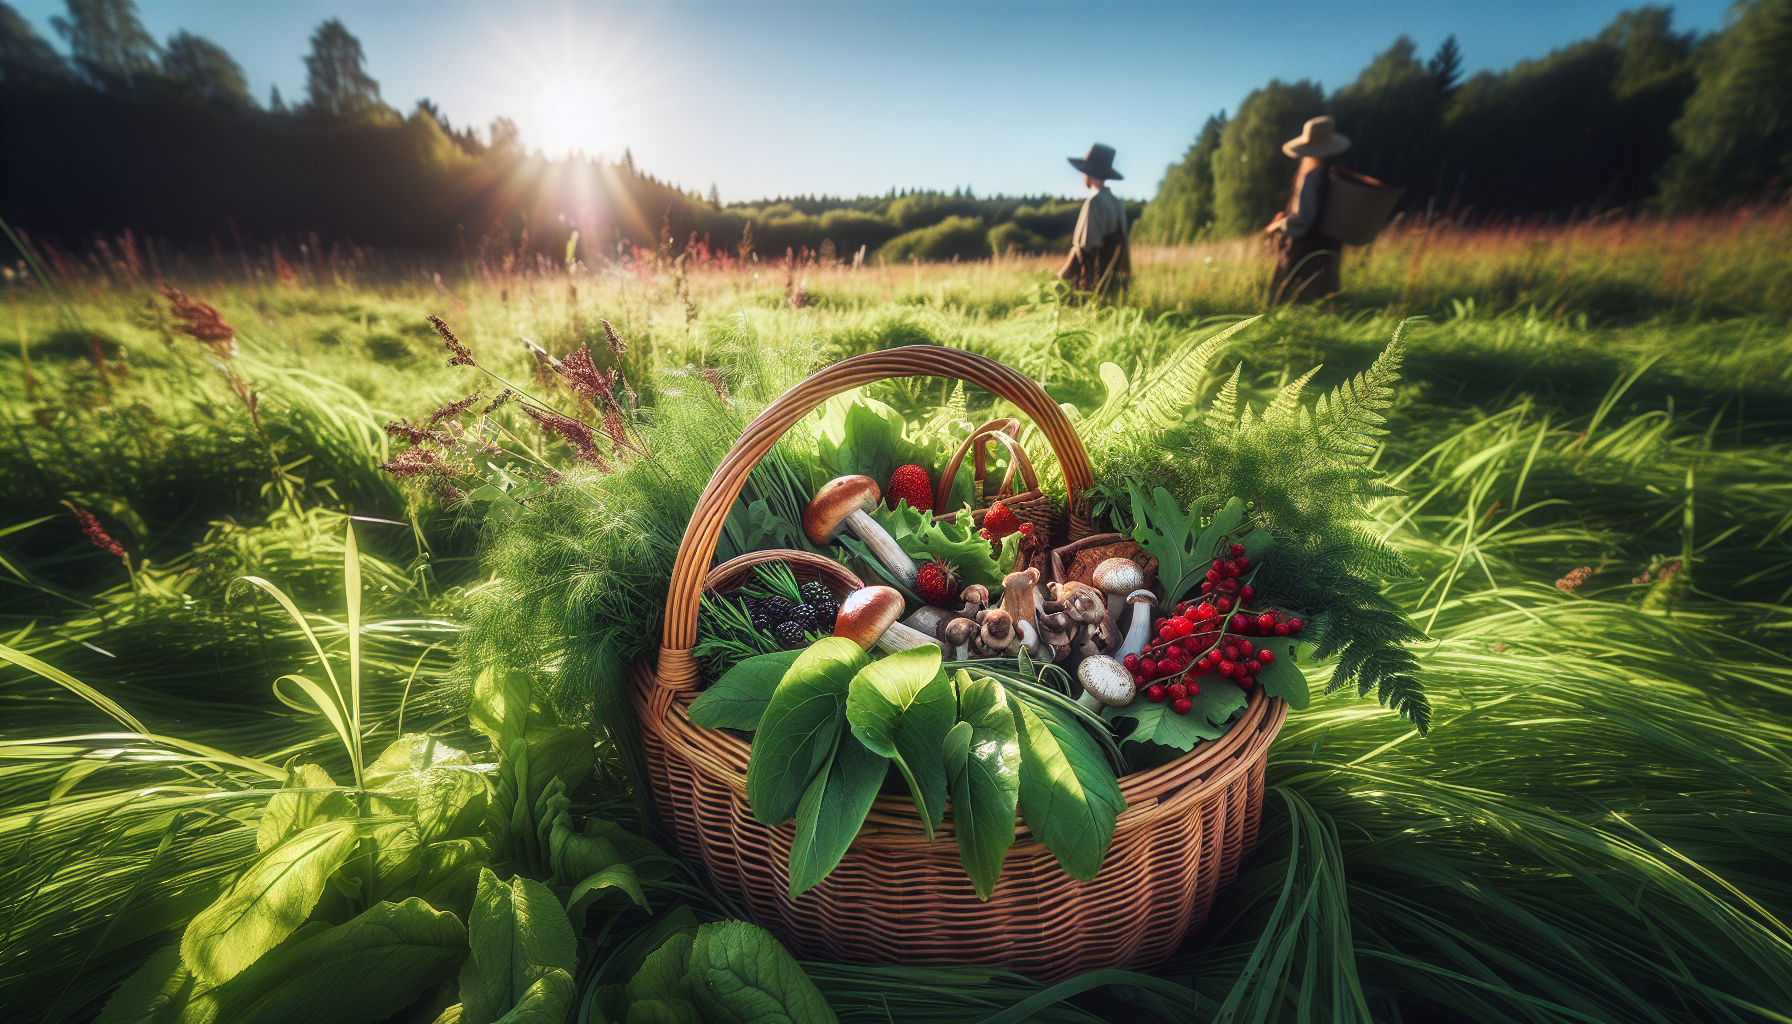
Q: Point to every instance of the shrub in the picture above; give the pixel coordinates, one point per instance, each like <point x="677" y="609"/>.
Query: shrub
<point x="1012" y="238"/>
<point x="963" y="237"/>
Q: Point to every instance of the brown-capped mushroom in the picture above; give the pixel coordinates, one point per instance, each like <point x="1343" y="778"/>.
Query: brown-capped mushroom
<point x="1139" y="632"/>
<point x="958" y="636"/>
<point x="1117" y="577"/>
<point x="1017" y="594"/>
<point x="867" y="613"/>
<point x="996" y="637"/>
<point x="841" y="504"/>
<point x="1080" y="601"/>
<point x="1105" y="681"/>
<point x="976" y="598"/>
<point x="1055" y="631"/>
<point x="930" y="620"/>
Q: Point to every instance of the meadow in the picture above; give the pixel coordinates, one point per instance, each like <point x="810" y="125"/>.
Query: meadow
<point x="1591" y="447"/>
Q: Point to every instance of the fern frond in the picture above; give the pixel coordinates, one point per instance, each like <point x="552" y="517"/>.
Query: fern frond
<point x="1163" y="398"/>
<point x="1347" y="421"/>
<point x="1286" y="404"/>
<point x="1223" y="414"/>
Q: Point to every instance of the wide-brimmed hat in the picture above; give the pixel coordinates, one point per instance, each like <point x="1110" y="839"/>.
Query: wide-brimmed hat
<point x="1098" y="164"/>
<point x="1319" y="137"/>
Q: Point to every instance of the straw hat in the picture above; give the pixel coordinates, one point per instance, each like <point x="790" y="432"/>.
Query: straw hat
<point x="1319" y="137"/>
<point x="1098" y="164"/>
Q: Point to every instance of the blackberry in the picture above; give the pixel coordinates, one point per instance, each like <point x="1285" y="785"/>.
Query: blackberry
<point x="789" y="635"/>
<point x="775" y="609"/>
<point x="825" y="614"/>
<point x="803" y="615"/>
<point x="816" y="592"/>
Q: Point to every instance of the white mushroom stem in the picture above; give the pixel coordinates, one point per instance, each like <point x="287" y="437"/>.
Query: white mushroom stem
<point x="1029" y="638"/>
<point x="883" y="545"/>
<point x="899" y="637"/>
<point x="1139" y="632"/>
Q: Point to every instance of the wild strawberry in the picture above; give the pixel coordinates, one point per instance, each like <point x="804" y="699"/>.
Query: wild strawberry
<point x="937" y="582"/>
<point x="909" y="483"/>
<point x="1155" y="694"/>
<point x="999" y="522"/>
<point x="1183" y="706"/>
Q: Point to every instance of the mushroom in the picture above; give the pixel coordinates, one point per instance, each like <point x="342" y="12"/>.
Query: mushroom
<point x="1105" y="681"/>
<point x="867" y="613"/>
<point x="958" y="634"/>
<point x="1140" y="630"/>
<point x="841" y="504"/>
<point x="1080" y="601"/>
<point x="899" y="637"/>
<point x="1017" y="594"/>
<point x="996" y="637"/>
<point x="1028" y="637"/>
<point x="976" y="598"/>
<point x="1117" y="577"/>
<point x="929" y="620"/>
<point x="1055" y="631"/>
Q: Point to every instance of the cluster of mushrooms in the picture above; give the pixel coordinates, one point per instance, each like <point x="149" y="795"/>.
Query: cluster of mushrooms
<point x="1077" y="621"/>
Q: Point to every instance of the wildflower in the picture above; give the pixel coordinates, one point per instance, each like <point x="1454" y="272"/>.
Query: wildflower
<point x="90" y="525"/>
<point x="454" y="409"/>
<point x="413" y="462"/>
<point x="499" y="402"/>
<point x="462" y="355"/>
<point x="418" y="435"/>
<point x="1571" y="582"/>
<point x="583" y="375"/>
<point x="573" y="432"/>
<point x="719" y="382"/>
<point x="201" y="322"/>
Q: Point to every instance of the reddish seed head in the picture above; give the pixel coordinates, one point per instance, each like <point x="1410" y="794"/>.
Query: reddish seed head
<point x="1154" y="693"/>
<point x="1266" y="656"/>
<point x="1183" y="706"/>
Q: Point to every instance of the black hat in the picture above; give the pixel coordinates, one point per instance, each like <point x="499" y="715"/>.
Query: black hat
<point x="1098" y="164"/>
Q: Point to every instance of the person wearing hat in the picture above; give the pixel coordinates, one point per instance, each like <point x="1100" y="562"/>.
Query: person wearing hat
<point x="1099" y="259"/>
<point x="1307" y="261"/>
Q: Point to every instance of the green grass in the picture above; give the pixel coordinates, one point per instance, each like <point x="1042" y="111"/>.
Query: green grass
<point x="1596" y="828"/>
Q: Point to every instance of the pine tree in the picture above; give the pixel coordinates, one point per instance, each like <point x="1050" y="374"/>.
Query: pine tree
<point x="715" y="196"/>
<point x="1445" y="66"/>
<point x="1736" y="132"/>
<point x="337" y="85"/>
<point x="25" y="56"/>
<point x="276" y="103"/>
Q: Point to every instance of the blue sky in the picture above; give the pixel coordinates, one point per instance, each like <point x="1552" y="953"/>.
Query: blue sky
<point x="844" y="98"/>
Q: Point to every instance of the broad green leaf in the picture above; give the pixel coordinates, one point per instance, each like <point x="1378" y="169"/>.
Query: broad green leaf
<point x="451" y="804"/>
<point x="1282" y="677"/>
<point x="500" y="706"/>
<point x="519" y="934"/>
<point x="831" y="811"/>
<point x="156" y="994"/>
<point x="797" y="733"/>
<point x="984" y="795"/>
<point x="956" y="749"/>
<point x="449" y="873"/>
<point x="1208" y="718"/>
<point x="267" y="903"/>
<point x="593" y="887"/>
<point x="902" y="707"/>
<point x="1067" y="793"/>
<point x="741" y="975"/>
<point x="1225" y="522"/>
<point x="362" y="971"/>
<point x="289" y="812"/>
<point x="403" y="766"/>
<point x="738" y="699"/>
<point x="1170" y="535"/>
<point x="664" y="1011"/>
<point x="665" y="974"/>
<point x="959" y="543"/>
<point x="548" y="1001"/>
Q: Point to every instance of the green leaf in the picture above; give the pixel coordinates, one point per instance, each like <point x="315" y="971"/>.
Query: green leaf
<point x="1067" y="794"/>
<point x="956" y="748"/>
<point x="984" y="794"/>
<point x="740" y="974"/>
<point x="548" y="1001"/>
<point x="155" y="994"/>
<point x="1226" y="522"/>
<point x="664" y="1011"/>
<point x="519" y="934"/>
<point x="365" y="970"/>
<point x="289" y="812"/>
<point x="832" y="809"/>
<point x="959" y="543"/>
<point x="1282" y="677"/>
<point x="801" y="722"/>
<point x="590" y="889"/>
<point x="902" y="707"/>
<point x="267" y="903"/>
<point x="500" y="706"/>
<point x="738" y="699"/>
<point x="1208" y="718"/>
<point x="1171" y="536"/>
<point x="665" y="974"/>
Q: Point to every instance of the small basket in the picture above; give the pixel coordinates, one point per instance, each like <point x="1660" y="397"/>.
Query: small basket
<point x="1032" y="506"/>
<point x="895" y="897"/>
<point x="1357" y="206"/>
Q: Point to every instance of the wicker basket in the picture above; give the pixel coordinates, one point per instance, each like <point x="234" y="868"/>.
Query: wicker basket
<point x="1031" y="506"/>
<point x="895" y="897"/>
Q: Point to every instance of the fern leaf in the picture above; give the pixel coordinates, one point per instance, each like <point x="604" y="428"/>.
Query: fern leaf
<point x="1349" y="419"/>
<point x="1223" y="415"/>
<point x="1287" y="403"/>
<point x="1164" y="398"/>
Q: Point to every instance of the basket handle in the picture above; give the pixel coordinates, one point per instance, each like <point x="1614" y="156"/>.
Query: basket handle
<point x="994" y="430"/>
<point x="677" y="669"/>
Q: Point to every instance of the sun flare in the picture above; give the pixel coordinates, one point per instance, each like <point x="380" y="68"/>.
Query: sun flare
<point x="572" y="117"/>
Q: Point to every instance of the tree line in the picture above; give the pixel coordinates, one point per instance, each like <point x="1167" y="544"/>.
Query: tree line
<point x="1638" y="117"/>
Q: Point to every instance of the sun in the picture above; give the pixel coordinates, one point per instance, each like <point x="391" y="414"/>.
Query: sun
<point x="572" y="118"/>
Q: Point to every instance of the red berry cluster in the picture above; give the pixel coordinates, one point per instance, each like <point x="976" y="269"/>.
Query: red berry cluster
<point x="1209" y="636"/>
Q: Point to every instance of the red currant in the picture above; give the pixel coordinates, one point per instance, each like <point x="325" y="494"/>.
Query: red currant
<point x="1214" y="576"/>
<point x="1237" y="549"/>
<point x="1203" y="666"/>
<point x="1183" y="706"/>
<point x="1231" y="652"/>
<point x="1178" y="691"/>
<point x="1228" y="668"/>
<point x="1194" y="689"/>
<point x="1131" y="663"/>
<point x="1204" y="611"/>
<point x="1282" y="629"/>
<point x="1184" y="627"/>
<point x="1155" y="694"/>
<point x="1148" y="668"/>
<point x="1247" y="594"/>
<point x="1246" y="647"/>
<point x="1266" y="656"/>
<point x="1223" y="604"/>
<point x="1207" y="587"/>
<point x="1242" y="562"/>
<point x="1294" y="625"/>
<point x="1253" y="666"/>
<point x="1266" y="622"/>
<point x="1238" y="623"/>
